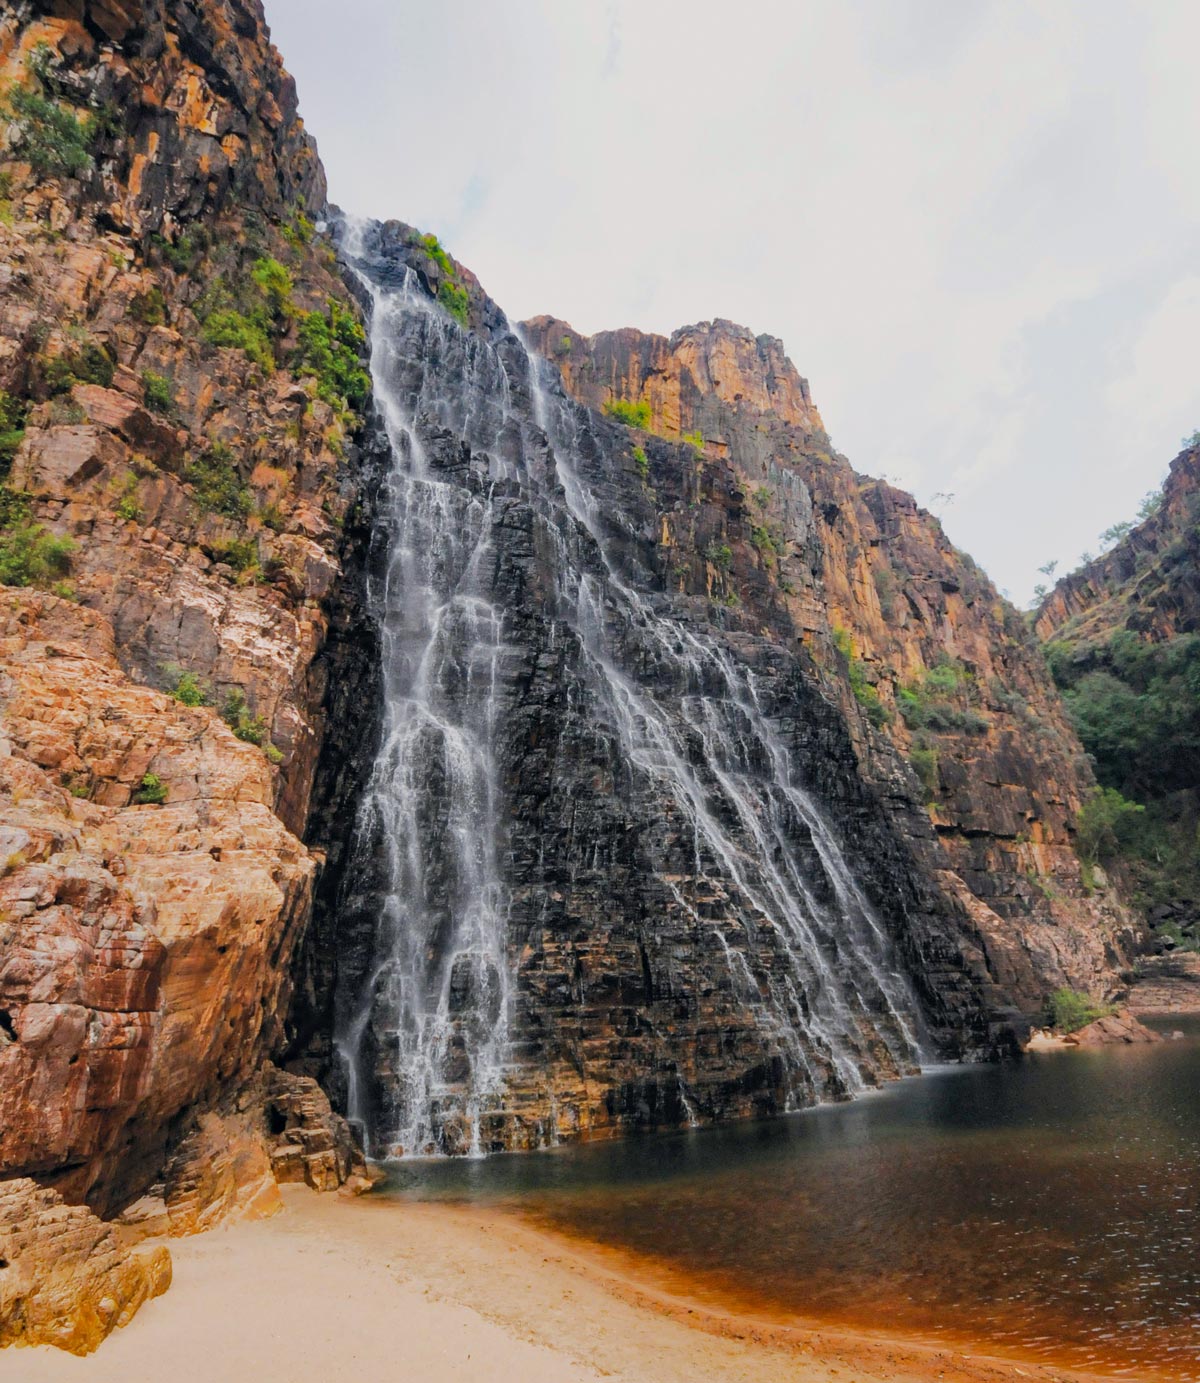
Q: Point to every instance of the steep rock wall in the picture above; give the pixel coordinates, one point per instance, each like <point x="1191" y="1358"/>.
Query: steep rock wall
<point x="955" y="721"/>
<point x="156" y="276"/>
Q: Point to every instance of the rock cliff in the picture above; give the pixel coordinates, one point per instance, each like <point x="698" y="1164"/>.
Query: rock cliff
<point x="1123" y="638"/>
<point x="179" y="398"/>
<point x="954" y="719"/>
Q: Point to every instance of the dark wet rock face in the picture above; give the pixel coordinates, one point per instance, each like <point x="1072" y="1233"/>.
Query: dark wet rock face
<point x="623" y="858"/>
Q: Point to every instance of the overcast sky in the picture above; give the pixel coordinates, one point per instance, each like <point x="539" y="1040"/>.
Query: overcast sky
<point x="974" y="223"/>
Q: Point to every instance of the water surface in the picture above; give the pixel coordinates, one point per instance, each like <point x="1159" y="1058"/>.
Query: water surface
<point x="1049" y="1208"/>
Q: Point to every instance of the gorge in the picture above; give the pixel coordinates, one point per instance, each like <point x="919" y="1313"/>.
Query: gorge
<point x="425" y="733"/>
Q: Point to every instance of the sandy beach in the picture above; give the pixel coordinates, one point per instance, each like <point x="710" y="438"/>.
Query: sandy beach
<point x="335" y="1289"/>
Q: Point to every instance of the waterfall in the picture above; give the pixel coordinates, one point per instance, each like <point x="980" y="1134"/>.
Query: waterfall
<point x="433" y="1033"/>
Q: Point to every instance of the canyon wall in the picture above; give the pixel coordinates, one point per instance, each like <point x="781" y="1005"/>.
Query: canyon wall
<point x="175" y="470"/>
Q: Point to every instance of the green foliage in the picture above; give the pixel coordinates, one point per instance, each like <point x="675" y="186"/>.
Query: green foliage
<point x="53" y="139"/>
<point x="563" y="347"/>
<point x="127" y="505"/>
<point x="631" y="414"/>
<point x="455" y="299"/>
<point x="433" y="248"/>
<point x="924" y="763"/>
<point x="12" y="431"/>
<point x="329" y="350"/>
<point x="1136" y="707"/>
<point x="90" y="363"/>
<point x="251" y="728"/>
<point x="931" y="702"/>
<point x="158" y="393"/>
<point x="229" y="328"/>
<point x="1068" y="1010"/>
<point x="1150" y="505"/>
<point x="1192" y="441"/>
<point x="275" y="284"/>
<point x="694" y="439"/>
<point x="149" y="308"/>
<point x="181" y="254"/>
<point x="244" y="314"/>
<point x="152" y="792"/>
<point x="29" y="555"/>
<point x="218" y="486"/>
<point x="762" y="497"/>
<point x="720" y="555"/>
<point x="241" y="554"/>
<point x="1103" y="825"/>
<point x="764" y="541"/>
<point x="1113" y="535"/>
<point x="865" y="693"/>
<point x="300" y="232"/>
<point x="188" y="691"/>
<point x="642" y="462"/>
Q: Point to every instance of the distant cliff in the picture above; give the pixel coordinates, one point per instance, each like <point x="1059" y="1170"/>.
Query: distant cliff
<point x="1123" y="637"/>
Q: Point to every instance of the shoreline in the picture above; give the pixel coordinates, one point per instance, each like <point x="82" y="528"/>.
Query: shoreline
<point x="332" y="1286"/>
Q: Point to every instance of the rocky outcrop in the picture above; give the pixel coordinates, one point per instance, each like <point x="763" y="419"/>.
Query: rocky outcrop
<point x="1167" y="984"/>
<point x="954" y="719"/>
<point x="1148" y="582"/>
<point x="144" y="963"/>
<point x="66" y="1279"/>
<point x="176" y="462"/>
<point x="1122" y="635"/>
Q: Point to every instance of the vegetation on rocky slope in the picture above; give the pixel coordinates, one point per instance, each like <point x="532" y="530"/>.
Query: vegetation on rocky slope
<point x="1123" y="643"/>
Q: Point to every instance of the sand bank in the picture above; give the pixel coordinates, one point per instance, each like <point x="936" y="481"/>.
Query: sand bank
<point x="335" y="1289"/>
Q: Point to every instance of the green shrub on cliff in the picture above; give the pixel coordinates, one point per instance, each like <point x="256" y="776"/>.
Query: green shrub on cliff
<point x="631" y="414"/>
<point x="158" y="394"/>
<point x="642" y="462"/>
<point x="230" y="328"/>
<point x="248" y="727"/>
<point x="152" y="791"/>
<point x="329" y="349"/>
<point x="187" y="689"/>
<point x="218" y="486"/>
<point x="149" y="308"/>
<point x="695" y="440"/>
<point x="1104" y="824"/>
<point x="433" y="248"/>
<point x="275" y="284"/>
<point x="931" y="701"/>
<point x="12" y="431"/>
<point x="29" y="554"/>
<point x="52" y="138"/>
<point x="455" y="299"/>
<point x="924" y="763"/>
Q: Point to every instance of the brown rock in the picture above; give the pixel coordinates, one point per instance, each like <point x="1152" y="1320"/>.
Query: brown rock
<point x="65" y="1278"/>
<point x="1119" y="1027"/>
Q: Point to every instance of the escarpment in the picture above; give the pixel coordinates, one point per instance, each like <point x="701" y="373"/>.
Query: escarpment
<point x="955" y="722"/>
<point x="1122" y="635"/>
<point x="180" y="394"/>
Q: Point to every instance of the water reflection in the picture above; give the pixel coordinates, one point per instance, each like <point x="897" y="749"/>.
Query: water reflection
<point x="1051" y="1207"/>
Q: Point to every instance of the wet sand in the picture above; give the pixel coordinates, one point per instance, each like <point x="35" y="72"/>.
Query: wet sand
<point x="336" y="1289"/>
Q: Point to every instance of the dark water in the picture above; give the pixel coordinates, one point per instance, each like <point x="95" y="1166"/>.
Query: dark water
<point x="1049" y="1208"/>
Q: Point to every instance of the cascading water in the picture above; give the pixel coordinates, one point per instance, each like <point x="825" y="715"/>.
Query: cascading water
<point x="435" y="1030"/>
